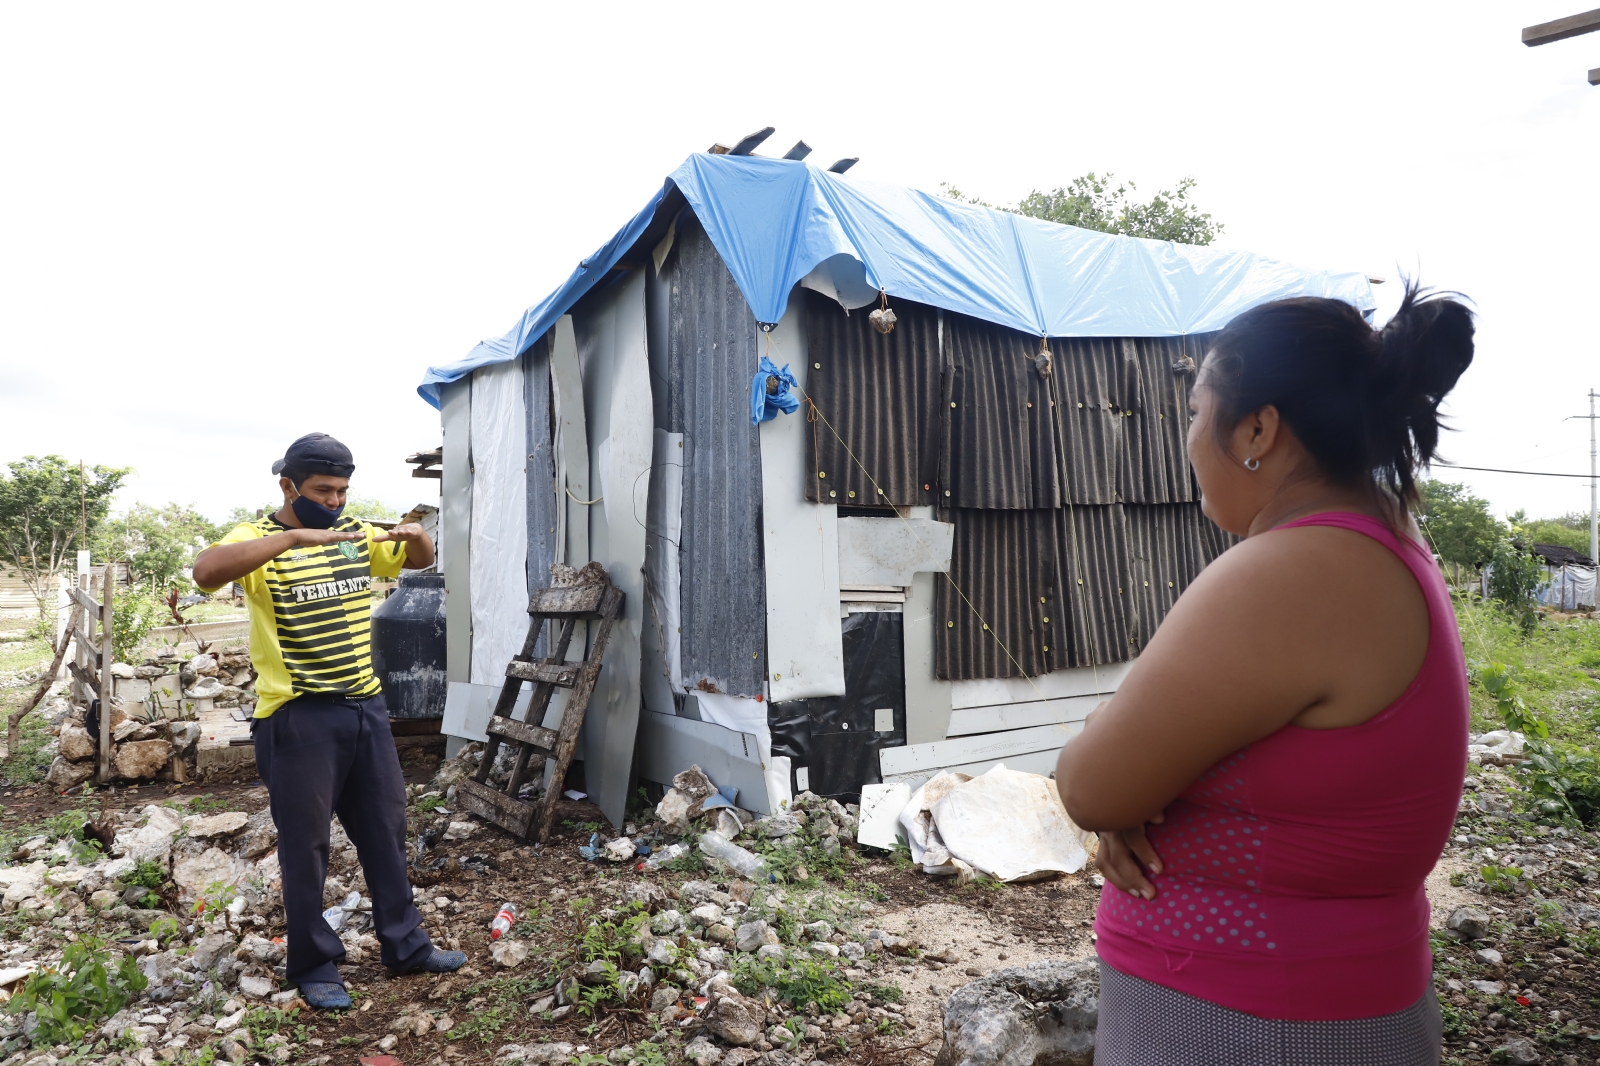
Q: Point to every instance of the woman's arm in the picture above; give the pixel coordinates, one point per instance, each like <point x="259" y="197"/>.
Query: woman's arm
<point x="1287" y="625"/>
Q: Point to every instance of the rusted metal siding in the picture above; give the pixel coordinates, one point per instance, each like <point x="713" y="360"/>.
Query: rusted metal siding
<point x="713" y="352"/>
<point x="999" y="443"/>
<point x="878" y="396"/>
<point x="1044" y="590"/>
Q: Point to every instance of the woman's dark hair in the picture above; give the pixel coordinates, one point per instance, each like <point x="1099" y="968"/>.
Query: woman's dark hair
<point x="1363" y="401"/>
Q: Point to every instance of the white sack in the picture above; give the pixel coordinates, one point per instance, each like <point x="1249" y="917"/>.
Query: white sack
<point x="922" y="836"/>
<point x="1010" y="825"/>
<point x="880" y="814"/>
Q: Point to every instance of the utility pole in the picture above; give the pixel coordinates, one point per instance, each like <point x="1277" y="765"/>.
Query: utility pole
<point x="1594" y="482"/>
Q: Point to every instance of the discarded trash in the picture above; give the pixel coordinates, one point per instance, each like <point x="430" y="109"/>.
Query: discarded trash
<point x="352" y="902"/>
<point x="880" y="813"/>
<point x="591" y="850"/>
<point x="744" y="863"/>
<point x="725" y="796"/>
<point x="1008" y="824"/>
<point x="619" y="850"/>
<point x="574" y="794"/>
<point x="503" y="921"/>
<point x="335" y="917"/>
<point x="667" y="854"/>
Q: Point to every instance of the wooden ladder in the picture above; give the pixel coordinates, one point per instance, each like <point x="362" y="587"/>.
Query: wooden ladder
<point x="534" y="743"/>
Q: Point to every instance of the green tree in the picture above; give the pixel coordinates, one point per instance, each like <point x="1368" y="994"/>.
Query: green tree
<point x="157" y="543"/>
<point x="1514" y="580"/>
<point x="1458" y="524"/>
<point x="1100" y="202"/>
<point x="1571" y="530"/>
<point x="48" y="509"/>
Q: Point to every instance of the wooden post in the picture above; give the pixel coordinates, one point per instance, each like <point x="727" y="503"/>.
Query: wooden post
<point x="105" y="674"/>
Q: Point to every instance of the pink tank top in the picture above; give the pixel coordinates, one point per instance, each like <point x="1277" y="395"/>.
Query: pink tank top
<point x="1294" y="867"/>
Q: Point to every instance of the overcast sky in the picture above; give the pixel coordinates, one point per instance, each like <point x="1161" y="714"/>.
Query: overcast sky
<point x="222" y="226"/>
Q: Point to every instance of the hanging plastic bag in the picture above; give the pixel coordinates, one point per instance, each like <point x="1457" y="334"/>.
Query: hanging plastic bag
<point x="771" y="391"/>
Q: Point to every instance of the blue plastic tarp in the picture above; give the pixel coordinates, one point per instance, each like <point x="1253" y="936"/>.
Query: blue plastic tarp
<point x="774" y="221"/>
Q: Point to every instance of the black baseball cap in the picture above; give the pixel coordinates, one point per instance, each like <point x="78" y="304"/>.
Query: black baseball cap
<point x="316" y="453"/>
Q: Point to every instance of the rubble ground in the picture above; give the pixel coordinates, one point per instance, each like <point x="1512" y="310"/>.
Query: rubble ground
<point x="828" y="953"/>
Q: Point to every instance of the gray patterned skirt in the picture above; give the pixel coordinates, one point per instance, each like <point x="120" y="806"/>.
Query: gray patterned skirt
<point x="1145" y="1024"/>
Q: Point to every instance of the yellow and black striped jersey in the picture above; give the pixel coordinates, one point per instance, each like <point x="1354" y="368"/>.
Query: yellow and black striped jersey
<point x="310" y="613"/>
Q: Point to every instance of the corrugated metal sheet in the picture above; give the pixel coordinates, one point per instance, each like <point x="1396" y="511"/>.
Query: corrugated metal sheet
<point x="999" y="444"/>
<point x="541" y="471"/>
<point x="1052" y="589"/>
<point x="1168" y="546"/>
<point x="881" y="394"/>
<point x="713" y="352"/>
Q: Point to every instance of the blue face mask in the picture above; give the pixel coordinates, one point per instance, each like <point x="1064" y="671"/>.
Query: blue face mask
<point x="313" y="515"/>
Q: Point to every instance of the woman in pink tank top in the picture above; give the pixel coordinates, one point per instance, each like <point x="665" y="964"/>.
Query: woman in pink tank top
<point x="1282" y="766"/>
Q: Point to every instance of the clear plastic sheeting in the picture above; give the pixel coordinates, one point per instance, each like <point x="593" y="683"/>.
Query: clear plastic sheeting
<point x="499" y="534"/>
<point x="775" y="222"/>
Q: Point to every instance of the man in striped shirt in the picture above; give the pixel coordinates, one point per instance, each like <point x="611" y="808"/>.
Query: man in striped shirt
<point x="321" y="727"/>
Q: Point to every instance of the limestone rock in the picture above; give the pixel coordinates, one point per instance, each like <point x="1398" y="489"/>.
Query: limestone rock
<point x="1470" y="922"/>
<point x="211" y="948"/>
<point x="778" y="826"/>
<point x="259" y="987"/>
<point x="702" y="1052"/>
<point x="149" y="673"/>
<point x="206" y="827"/>
<point x="674" y="810"/>
<point x="64" y="774"/>
<point x="735" y="1019"/>
<point x="260" y="835"/>
<point x="751" y="935"/>
<point x="206" y="688"/>
<point x="645" y="893"/>
<point x="1520" y="1050"/>
<point x="667" y="923"/>
<point x="460" y="830"/>
<point x="140" y="759"/>
<point x="1044" y="1011"/>
<point x="153" y="840"/>
<point x="194" y="875"/>
<point x="122" y="670"/>
<point x="76" y="743"/>
<point x="509" y="953"/>
<point x="184" y="735"/>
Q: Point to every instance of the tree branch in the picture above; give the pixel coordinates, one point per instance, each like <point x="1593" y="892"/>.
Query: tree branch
<point x="14" y="723"/>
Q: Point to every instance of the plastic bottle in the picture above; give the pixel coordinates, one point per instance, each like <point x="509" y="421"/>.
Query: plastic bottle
<point x="502" y="921"/>
<point x="744" y="863"/>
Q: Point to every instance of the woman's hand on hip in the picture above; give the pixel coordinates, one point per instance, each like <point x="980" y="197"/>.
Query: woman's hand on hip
<point x="1124" y="857"/>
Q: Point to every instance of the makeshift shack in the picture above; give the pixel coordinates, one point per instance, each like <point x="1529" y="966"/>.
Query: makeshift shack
<point x="942" y="558"/>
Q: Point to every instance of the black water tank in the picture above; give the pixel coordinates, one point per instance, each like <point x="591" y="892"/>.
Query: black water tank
<point x="408" y="647"/>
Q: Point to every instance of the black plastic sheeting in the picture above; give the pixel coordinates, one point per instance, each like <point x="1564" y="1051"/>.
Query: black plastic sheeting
<point x="833" y="736"/>
<point x="880" y="394"/>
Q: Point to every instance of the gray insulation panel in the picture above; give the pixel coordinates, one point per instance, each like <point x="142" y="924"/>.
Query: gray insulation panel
<point x="714" y="348"/>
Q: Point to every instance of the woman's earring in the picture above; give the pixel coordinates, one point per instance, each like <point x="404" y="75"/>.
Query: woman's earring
<point x="1252" y="464"/>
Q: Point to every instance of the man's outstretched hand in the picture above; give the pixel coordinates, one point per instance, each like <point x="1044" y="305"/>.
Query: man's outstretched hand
<point x="406" y="531"/>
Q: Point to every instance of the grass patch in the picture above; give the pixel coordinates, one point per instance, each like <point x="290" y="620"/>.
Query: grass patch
<point x="1557" y="668"/>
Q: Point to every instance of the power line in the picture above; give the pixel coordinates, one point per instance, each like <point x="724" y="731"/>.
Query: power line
<point x="1498" y="470"/>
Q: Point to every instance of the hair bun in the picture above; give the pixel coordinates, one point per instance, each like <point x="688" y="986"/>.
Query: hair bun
<point x="1424" y="350"/>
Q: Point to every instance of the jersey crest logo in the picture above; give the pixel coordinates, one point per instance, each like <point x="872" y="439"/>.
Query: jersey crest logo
<point x="347" y="548"/>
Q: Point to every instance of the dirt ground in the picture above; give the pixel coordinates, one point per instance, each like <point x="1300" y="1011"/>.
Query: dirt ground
<point x="1552" y="988"/>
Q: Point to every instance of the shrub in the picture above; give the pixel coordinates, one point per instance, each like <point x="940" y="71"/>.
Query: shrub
<point x="72" y="998"/>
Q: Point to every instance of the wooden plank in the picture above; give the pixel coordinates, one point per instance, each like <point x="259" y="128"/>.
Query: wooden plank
<point x="580" y="599"/>
<point x="423" y="471"/>
<point x="84" y="600"/>
<point x="982" y="748"/>
<point x="1033" y="762"/>
<point x="970" y="720"/>
<point x="84" y="678"/>
<point x="1561" y="29"/>
<point x="510" y="814"/>
<point x="106" y="594"/>
<point x="563" y="674"/>
<point x="85" y="640"/>
<point x="536" y="735"/>
<point x="1594" y="76"/>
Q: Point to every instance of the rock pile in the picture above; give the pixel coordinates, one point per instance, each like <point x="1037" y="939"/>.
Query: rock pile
<point x="151" y="719"/>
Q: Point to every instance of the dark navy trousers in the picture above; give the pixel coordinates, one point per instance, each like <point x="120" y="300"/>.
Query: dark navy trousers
<point x="326" y="755"/>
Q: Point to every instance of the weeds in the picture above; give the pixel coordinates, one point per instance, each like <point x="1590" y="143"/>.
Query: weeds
<point x="798" y="981"/>
<point x="71" y="999"/>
